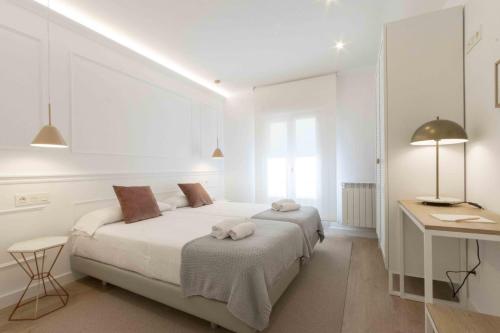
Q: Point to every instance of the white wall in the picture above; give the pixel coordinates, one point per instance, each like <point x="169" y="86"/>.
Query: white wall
<point x="483" y="150"/>
<point x="424" y="80"/>
<point x="127" y="120"/>
<point x="239" y="150"/>
<point x="356" y="127"/>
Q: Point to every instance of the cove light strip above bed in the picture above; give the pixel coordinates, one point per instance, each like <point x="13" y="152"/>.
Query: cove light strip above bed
<point x="124" y="40"/>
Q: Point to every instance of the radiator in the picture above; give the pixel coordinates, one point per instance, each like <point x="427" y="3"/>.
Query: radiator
<point x="358" y="205"/>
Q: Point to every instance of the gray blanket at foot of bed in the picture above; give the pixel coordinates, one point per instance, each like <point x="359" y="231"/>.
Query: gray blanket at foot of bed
<point x="307" y="218"/>
<point x="241" y="272"/>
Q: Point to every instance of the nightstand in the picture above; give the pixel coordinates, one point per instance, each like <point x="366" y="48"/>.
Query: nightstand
<point x="37" y="252"/>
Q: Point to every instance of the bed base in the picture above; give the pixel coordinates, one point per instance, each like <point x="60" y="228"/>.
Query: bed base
<point x="170" y="294"/>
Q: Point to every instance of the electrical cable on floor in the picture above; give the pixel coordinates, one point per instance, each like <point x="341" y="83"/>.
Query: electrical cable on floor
<point x="472" y="271"/>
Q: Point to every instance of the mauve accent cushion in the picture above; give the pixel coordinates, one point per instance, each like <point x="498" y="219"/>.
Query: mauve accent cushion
<point x="196" y="195"/>
<point x="137" y="202"/>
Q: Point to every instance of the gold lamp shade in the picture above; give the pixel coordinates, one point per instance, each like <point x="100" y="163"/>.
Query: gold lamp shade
<point x="437" y="133"/>
<point x="446" y="132"/>
<point x="49" y="137"/>
<point x="217" y="153"/>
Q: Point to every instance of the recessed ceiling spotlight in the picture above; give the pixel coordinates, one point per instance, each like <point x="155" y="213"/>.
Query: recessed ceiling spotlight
<point x="340" y="45"/>
<point x="330" y="2"/>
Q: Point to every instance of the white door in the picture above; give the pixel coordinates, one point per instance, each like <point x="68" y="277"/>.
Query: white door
<point x="381" y="224"/>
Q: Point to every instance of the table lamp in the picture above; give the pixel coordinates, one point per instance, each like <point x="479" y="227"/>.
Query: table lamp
<point x="437" y="133"/>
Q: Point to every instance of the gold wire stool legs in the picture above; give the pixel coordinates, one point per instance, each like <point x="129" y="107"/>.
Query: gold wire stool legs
<point x="38" y="273"/>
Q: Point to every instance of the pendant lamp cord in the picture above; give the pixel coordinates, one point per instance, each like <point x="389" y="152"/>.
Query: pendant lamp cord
<point x="217" y="120"/>
<point x="48" y="61"/>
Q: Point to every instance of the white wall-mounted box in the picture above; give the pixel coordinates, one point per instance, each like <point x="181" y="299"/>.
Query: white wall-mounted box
<point x="31" y="199"/>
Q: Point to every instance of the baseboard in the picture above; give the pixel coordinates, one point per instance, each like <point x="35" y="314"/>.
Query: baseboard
<point x="471" y="306"/>
<point x="384" y="256"/>
<point x="11" y="298"/>
<point x="351" y="231"/>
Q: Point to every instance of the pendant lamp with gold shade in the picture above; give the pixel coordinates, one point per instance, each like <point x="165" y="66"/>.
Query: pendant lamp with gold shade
<point x="49" y="136"/>
<point x="217" y="154"/>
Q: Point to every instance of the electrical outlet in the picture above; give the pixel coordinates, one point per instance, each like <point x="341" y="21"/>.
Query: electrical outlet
<point x="475" y="39"/>
<point x="31" y="199"/>
<point x="21" y="200"/>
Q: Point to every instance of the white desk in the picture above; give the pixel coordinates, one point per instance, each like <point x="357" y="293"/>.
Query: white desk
<point x="420" y="215"/>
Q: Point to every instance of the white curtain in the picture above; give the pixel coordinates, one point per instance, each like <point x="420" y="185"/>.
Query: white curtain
<point x="295" y="143"/>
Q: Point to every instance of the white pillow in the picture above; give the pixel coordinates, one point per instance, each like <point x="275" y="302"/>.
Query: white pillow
<point x="165" y="206"/>
<point x="177" y="201"/>
<point x="90" y="222"/>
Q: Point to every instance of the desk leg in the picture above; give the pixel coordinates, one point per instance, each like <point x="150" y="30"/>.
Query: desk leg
<point x="428" y="277"/>
<point x="428" y="323"/>
<point x="401" y="253"/>
<point x="464" y="292"/>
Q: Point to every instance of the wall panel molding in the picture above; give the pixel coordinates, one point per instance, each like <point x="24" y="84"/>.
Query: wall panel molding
<point x="12" y="296"/>
<point x="39" y="84"/>
<point x="74" y="55"/>
<point x="168" y="95"/>
<point x="61" y="178"/>
<point x="22" y="261"/>
<point x="22" y="209"/>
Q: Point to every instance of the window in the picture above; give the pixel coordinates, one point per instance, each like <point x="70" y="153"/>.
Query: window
<point x="292" y="161"/>
<point x="277" y="165"/>
<point x="305" y="165"/>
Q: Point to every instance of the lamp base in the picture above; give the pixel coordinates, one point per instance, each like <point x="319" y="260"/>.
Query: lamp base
<point x="443" y="201"/>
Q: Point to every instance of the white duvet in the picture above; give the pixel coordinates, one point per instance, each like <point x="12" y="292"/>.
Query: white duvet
<point x="151" y="247"/>
<point x="227" y="209"/>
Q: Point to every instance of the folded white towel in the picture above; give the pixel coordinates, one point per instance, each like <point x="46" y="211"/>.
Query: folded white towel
<point x="289" y="207"/>
<point x="221" y="230"/>
<point x="277" y="204"/>
<point x="242" y="230"/>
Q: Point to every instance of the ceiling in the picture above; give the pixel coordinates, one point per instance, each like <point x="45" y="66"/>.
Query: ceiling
<point x="247" y="43"/>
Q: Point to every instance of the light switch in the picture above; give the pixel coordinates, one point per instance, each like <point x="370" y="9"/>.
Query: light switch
<point x="30" y="199"/>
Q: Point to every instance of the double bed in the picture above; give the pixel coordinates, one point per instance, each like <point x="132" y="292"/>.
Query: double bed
<point x="307" y="218"/>
<point x="149" y="258"/>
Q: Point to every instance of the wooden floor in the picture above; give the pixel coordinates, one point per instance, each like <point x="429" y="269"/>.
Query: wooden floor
<point x="368" y="306"/>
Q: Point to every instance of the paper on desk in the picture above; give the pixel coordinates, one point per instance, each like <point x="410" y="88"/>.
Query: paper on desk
<point x="462" y="218"/>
